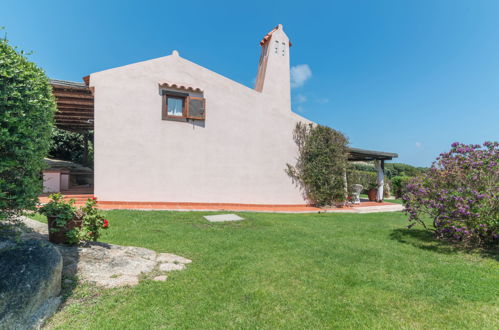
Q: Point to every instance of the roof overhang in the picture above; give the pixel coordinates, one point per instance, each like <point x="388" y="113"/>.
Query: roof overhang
<point x="356" y="154"/>
<point x="75" y="105"/>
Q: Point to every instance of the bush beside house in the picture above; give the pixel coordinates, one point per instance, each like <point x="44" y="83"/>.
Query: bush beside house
<point x="27" y="109"/>
<point x="321" y="164"/>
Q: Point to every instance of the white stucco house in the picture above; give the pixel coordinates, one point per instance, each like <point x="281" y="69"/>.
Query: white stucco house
<point x="169" y="130"/>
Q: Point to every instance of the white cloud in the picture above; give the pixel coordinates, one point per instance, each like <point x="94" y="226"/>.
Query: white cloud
<point x="419" y="144"/>
<point x="300" y="74"/>
<point x="300" y="98"/>
<point x="322" y="100"/>
<point x="300" y="109"/>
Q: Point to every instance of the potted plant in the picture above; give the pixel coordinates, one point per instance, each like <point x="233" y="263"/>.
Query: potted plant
<point x="372" y="191"/>
<point x="71" y="225"/>
<point x="62" y="217"/>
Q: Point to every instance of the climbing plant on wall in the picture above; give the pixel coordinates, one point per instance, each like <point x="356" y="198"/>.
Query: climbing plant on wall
<point x="321" y="163"/>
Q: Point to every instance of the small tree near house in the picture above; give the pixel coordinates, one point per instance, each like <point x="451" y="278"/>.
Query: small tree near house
<point x="27" y="109"/>
<point x="320" y="166"/>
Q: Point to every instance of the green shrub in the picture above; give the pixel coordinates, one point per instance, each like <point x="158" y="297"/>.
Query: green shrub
<point x="362" y="166"/>
<point x="364" y="178"/>
<point x="66" y="145"/>
<point x="399" y="169"/>
<point x="391" y="169"/>
<point x="27" y="109"/>
<point x="399" y="185"/>
<point x="322" y="160"/>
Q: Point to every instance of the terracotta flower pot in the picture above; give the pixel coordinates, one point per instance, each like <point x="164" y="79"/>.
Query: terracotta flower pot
<point x="371" y="194"/>
<point x="59" y="236"/>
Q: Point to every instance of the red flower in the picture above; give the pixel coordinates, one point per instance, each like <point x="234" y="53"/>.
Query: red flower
<point x="94" y="198"/>
<point x="106" y="224"/>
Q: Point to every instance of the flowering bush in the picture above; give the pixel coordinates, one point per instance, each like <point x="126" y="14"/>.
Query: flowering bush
<point x="61" y="214"/>
<point x="460" y="193"/>
<point x="93" y="221"/>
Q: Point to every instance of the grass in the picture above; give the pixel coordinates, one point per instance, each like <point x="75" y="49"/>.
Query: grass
<point x="291" y="271"/>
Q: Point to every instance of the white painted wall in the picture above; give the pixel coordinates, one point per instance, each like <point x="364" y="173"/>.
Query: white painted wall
<point x="51" y="182"/>
<point x="239" y="156"/>
<point x="64" y="181"/>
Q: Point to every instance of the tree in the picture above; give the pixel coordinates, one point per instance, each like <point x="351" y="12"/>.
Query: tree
<point x="27" y="109"/>
<point x="321" y="163"/>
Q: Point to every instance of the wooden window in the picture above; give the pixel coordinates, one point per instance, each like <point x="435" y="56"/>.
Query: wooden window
<point x="181" y="107"/>
<point x="174" y="106"/>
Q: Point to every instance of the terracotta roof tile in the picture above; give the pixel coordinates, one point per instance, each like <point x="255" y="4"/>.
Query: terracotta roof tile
<point x="268" y="35"/>
<point x="187" y="88"/>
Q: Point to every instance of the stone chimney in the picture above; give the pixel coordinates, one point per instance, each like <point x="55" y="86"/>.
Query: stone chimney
<point x="273" y="77"/>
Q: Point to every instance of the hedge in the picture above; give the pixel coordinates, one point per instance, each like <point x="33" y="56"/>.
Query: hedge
<point x="27" y="109"/>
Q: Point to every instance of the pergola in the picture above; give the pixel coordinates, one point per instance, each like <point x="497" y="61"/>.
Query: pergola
<point x="356" y="154"/>
<point x="75" y="106"/>
<point x="379" y="157"/>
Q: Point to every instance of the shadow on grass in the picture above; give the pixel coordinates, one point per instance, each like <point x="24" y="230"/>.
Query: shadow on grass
<point x="426" y="240"/>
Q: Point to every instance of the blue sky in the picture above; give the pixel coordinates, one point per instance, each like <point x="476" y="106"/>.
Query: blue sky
<point x="404" y="76"/>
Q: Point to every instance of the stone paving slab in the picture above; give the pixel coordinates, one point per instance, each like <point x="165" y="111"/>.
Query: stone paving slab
<point x="380" y="208"/>
<point x="223" y="217"/>
<point x="109" y="265"/>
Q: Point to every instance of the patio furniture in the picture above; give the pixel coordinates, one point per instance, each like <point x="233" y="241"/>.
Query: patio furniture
<point x="356" y="190"/>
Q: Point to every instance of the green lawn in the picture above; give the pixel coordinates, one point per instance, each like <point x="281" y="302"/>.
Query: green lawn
<point x="291" y="271"/>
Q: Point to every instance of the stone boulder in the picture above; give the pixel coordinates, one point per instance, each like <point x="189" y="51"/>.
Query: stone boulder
<point x="30" y="283"/>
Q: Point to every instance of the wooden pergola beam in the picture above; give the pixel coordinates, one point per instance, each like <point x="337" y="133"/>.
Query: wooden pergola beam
<point x="66" y="101"/>
<point x="75" y="106"/>
<point x="72" y="95"/>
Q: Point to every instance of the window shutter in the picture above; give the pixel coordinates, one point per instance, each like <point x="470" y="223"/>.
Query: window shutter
<point x="196" y="108"/>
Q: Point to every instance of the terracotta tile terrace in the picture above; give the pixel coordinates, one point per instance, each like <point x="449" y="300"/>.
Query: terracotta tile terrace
<point x="174" y="206"/>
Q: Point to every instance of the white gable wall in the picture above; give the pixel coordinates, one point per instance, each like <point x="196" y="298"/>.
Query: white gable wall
<point x="239" y="156"/>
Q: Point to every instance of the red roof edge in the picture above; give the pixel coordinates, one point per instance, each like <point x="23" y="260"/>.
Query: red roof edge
<point x="268" y="35"/>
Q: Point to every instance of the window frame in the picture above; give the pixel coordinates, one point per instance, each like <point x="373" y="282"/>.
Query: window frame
<point x="183" y="96"/>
